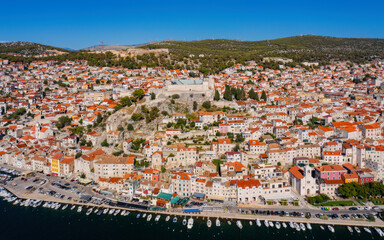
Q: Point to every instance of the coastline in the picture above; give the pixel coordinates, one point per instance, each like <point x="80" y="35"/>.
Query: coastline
<point x="213" y="215"/>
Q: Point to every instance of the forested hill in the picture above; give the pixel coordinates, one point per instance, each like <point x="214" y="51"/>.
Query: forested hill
<point x="29" y="49"/>
<point x="299" y="48"/>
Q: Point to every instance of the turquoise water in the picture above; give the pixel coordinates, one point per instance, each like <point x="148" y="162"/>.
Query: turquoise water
<point x="39" y="223"/>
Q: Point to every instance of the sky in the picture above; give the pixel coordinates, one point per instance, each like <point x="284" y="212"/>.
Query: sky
<point x="80" y="24"/>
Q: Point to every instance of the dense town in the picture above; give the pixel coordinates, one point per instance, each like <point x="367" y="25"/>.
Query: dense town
<point x="249" y="136"/>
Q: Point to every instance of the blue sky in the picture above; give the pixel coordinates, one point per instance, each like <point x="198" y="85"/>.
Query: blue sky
<point x="80" y="24"/>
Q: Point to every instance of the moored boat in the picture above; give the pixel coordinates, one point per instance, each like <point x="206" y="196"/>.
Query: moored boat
<point x="302" y="226"/>
<point x="266" y="223"/>
<point x="157" y="218"/>
<point x="258" y="223"/>
<point x="309" y="226"/>
<point x="209" y="223"/>
<point x="367" y="230"/>
<point x="190" y="223"/>
<point x="184" y="221"/>
<point x="250" y="223"/>
<point x="271" y="224"/>
<point x="321" y="227"/>
<point x="149" y="217"/>
<point x="239" y="225"/>
<point x="218" y="223"/>
<point x="167" y="218"/>
<point x="350" y="229"/>
<point x="89" y="211"/>
<point x="278" y="225"/>
<point x="330" y="228"/>
<point x="284" y="225"/>
<point x="79" y="209"/>
<point x="357" y="229"/>
<point x="174" y="220"/>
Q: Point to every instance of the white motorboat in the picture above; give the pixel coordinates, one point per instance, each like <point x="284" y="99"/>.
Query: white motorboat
<point x="309" y="226"/>
<point x="367" y="230"/>
<point x="357" y="229"/>
<point x="167" y="218"/>
<point x="105" y="211"/>
<point x="149" y="217"/>
<point x="190" y="223"/>
<point x="266" y="223"/>
<point x="250" y="223"/>
<point x="291" y="225"/>
<point x="122" y="213"/>
<point x="209" y="223"/>
<point x="174" y="220"/>
<point x="378" y="230"/>
<point x="321" y="227"/>
<point x="229" y="223"/>
<point x="89" y="211"/>
<point x="271" y="224"/>
<point x="117" y="212"/>
<point x="218" y="223"/>
<point x="284" y="225"/>
<point x="258" y="223"/>
<point x="79" y="209"/>
<point x="111" y="211"/>
<point x="138" y="215"/>
<point x="144" y="215"/>
<point x="96" y="210"/>
<point x="157" y="218"/>
<point x="65" y="207"/>
<point x="239" y="225"/>
<point x="297" y="226"/>
<point x="184" y="221"/>
<point x="330" y="228"/>
<point x="302" y="226"/>
<point x="126" y="213"/>
<point x="278" y="225"/>
<point x="349" y="229"/>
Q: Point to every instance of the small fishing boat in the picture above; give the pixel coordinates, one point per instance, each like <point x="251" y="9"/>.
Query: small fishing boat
<point x="117" y="212"/>
<point x="144" y="215"/>
<point x="278" y="225"/>
<point x="73" y="206"/>
<point x="330" y="228"/>
<point x="105" y="211"/>
<point x="302" y="226"/>
<point x="79" y="209"/>
<point x="149" y="217"/>
<point x="250" y="223"/>
<point x="190" y="223"/>
<point x="167" y="218"/>
<point x="111" y="211"/>
<point x="266" y="223"/>
<point x="96" y="210"/>
<point x="122" y="213"/>
<point x="174" y="220"/>
<point x="184" y="221"/>
<point x="239" y="225"/>
<point x="209" y="223"/>
<point x="258" y="223"/>
<point x="229" y="223"/>
<point x="350" y="229"/>
<point x="367" y="230"/>
<point x="138" y="215"/>
<point x="99" y="212"/>
<point x="284" y="225"/>
<point x="157" y="218"/>
<point x="126" y="213"/>
<point x="89" y="211"/>
<point x="65" y="207"/>
<point x="218" y="223"/>
<point x="321" y="227"/>
<point x="357" y="229"/>
<point x="309" y="226"/>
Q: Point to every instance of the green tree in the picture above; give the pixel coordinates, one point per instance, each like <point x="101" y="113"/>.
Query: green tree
<point x="217" y="95"/>
<point x="137" y="117"/>
<point x="138" y="93"/>
<point x="130" y="127"/>
<point x="99" y="118"/>
<point x="125" y="101"/>
<point x="194" y="105"/>
<point x="227" y="93"/>
<point x="264" y="96"/>
<point x="153" y="96"/>
<point x="63" y="121"/>
<point x="104" y="143"/>
<point x="207" y="104"/>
